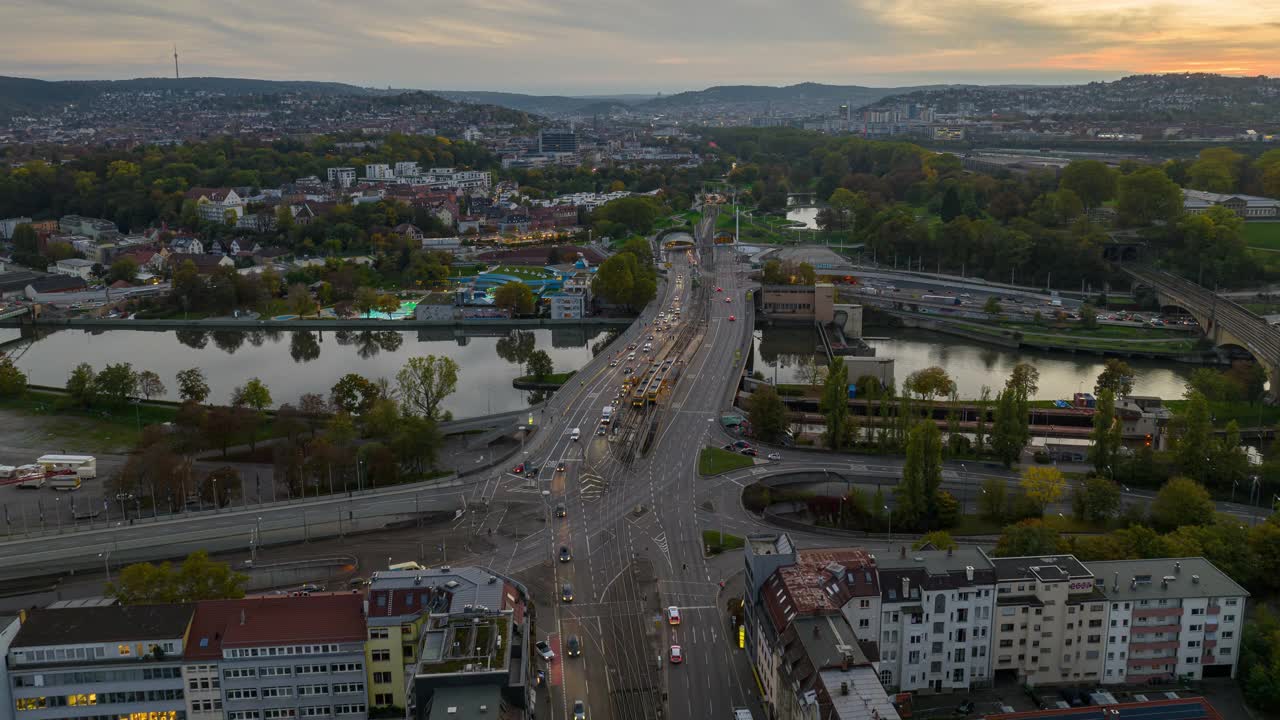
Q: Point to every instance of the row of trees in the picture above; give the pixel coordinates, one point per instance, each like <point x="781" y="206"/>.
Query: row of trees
<point x="628" y="277"/>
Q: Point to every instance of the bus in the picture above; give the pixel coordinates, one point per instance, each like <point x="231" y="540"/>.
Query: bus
<point x="948" y="299"/>
<point x="85" y="467"/>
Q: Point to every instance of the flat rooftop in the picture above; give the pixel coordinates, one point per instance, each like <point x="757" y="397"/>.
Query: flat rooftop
<point x="937" y="562"/>
<point x="1179" y="709"/>
<point x="1046" y="568"/>
<point x="1143" y="579"/>
<point x="482" y="643"/>
<point x="99" y="624"/>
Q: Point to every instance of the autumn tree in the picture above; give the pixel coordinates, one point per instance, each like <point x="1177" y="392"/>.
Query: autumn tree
<point x="1181" y="501"/>
<point x="1117" y="377"/>
<point x="1043" y="485"/>
<point x="192" y="386"/>
<point x="767" y="413"/>
<point x="197" y="578"/>
<point x="514" y="296"/>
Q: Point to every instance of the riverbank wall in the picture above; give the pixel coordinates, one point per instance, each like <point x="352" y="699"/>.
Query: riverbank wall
<point x="335" y="324"/>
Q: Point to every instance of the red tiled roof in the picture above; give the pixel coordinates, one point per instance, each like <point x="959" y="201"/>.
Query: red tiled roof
<point x="820" y="582"/>
<point x="274" y="620"/>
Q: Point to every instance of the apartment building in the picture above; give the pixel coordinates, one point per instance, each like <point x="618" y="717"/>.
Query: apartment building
<point x="827" y="673"/>
<point x="343" y="177"/>
<point x="1170" y="619"/>
<point x="407" y="168"/>
<point x="100" y="661"/>
<point x="785" y="583"/>
<point x="936" y="609"/>
<point x="275" y="657"/>
<point x="378" y="171"/>
<point x="1050" y="621"/>
<point x="424" y="635"/>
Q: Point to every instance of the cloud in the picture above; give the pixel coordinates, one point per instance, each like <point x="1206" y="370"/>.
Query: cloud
<point x="617" y="45"/>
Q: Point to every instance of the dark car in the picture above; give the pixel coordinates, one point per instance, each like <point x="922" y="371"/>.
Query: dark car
<point x="560" y="512"/>
<point x="749" y="451"/>
<point x="574" y="647"/>
<point x="560" y="466"/>
<point x="533" y="472"/>
<point x="565" y="555"/>
<point x="965" y="707"/>
<point x="566" y="593"/>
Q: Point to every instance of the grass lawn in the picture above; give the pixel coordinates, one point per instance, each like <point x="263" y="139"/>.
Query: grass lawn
<point x="1223" y="412"/>
<point x="1121" y="332"/>
<point x="93" y="430"/>
<point x="1264" y="235"/>
<point x="717" y="542"/>
<point x="713" y="461"/>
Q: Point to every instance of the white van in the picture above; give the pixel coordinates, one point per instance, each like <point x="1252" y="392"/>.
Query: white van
<point x="575" y="433"/>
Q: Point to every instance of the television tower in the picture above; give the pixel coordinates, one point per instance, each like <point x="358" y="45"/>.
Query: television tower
<point x="176" y="76"/>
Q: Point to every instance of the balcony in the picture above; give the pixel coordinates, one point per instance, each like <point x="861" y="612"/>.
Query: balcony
<point x="1139" y="630"/>
<point x="1151" y="664"/>
<point x="1209" y="645"/>
<point x="1211" y="627"/>
<point x="1135" y="647"/>
<point x="1158" y="612"/>
<point x="1215" y="609"/>
<point x="1137" y="678"/>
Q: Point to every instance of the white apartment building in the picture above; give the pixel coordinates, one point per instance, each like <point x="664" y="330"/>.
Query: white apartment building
<point x="936" y="609"/>
<point x="378" y="171"/>
<point x="344" y="177"/>
<point x="407" y="168"/>
<point x="459" y="179"/>
<point x="1050" y="621"/>
<point x="1170" y="618"/>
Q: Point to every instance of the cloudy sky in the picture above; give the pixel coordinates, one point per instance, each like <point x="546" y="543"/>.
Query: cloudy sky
<point x="600" y="46"/>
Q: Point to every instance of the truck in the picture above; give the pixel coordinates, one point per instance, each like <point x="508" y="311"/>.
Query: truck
<point x="84" y="466"/>
<point x="68" y="482"/>
<point x="948" y="299"/>
<point x="606" y="415"/>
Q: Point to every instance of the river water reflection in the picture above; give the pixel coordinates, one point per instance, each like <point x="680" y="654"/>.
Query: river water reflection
<point x="295" y="362"/>
<point x="970" y="364"/>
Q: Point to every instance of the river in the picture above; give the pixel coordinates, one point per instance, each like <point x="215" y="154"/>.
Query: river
<point x="292" y="363"/>
<point x="970" y="364"/>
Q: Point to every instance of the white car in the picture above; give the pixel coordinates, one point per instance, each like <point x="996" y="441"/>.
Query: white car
<point x="673" y="615"/>
<point x="775" y="456"/>
<point x="544" y="650"/>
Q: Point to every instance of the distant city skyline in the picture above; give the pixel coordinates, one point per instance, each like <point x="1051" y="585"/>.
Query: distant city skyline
<point x="610" y="46"/>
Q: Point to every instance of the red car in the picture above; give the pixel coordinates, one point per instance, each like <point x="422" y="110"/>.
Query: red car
<point x="519" y="469"/>
<point x="677" y="655"/>
<point x="732" y="318"/>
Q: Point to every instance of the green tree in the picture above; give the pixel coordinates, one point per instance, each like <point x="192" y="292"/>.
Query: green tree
<point x="514" y="296"/>
<point x="1088" y="316"/>
<point x="116" y="383"/>
<point x="1023" y="381"/>
<point x="1029" y="537"/>
<point x="946" y="509"/>
<point x="1105" y="451"/>
<point x="1117" y="377"/>
<point x="992" y="306"/>
<point x="835" y="403"/>
<point x="1228" y="460"/>
<point x="1097" y="500"/>
<point x="253" y="394"/>
<point x="1147" y="196"/>
<point x="921" y="476"/>
<point x="25" y="240"/>
<point x="1216" y="170"/>
<point x="937" y="540"/>
<point x="383" y="419"/>
<point x="767" y="413"/>
<point x="13" y="382"/>
<point x="125" y="268"/>
<point x="365" y="301"/>
<point x="197" y="578"/>
<point x="424" y="383"/>
<point x="993" y="499"/>
<point x="340" y="431"/>
<point x="539" y="364"/>
<point x="1182" y="501"/>
<point x="1091" y="180"/>
<point x="192" y="386"/>
<point x="1007" y="439"/>
<point x="1195" y="437"/>
<point x="81" y="386"/>
<point x="1043" y="485"/>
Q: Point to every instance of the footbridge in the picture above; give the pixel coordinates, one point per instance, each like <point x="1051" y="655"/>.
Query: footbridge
<point x="1224" y="322"/>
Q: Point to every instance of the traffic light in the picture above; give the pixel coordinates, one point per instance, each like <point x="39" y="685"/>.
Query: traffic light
<point x="1147" y="441"/>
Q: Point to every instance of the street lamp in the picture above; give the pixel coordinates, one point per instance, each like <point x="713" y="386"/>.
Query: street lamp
<point x="890" y="514"/>
<point x="106" y="562"/>
<point x="964" y="490"/>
